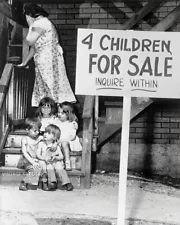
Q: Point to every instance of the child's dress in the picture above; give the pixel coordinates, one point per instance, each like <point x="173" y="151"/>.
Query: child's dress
<point x="46" y="121"/>
<point x="69" y="129"/>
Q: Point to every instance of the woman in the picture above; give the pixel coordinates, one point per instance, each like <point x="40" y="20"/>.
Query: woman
<point x="51" y="78"/>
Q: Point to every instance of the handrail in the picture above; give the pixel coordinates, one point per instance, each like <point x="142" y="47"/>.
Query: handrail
<point x="4" y="90"/>
<point x="14" y="89"/>
<point x="4" y="81"/>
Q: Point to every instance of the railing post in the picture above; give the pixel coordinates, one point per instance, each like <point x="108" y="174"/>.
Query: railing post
<point x="87" y="140"/>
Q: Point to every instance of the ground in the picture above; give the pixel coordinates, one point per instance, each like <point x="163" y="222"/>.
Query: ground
<point x="149" y="202"/>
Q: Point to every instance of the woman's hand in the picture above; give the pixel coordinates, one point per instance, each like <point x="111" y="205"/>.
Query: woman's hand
<point x="23" y="64"/>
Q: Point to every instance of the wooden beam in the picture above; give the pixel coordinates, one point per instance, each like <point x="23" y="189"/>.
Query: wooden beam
<point x="107" y="131"/>
<point x="140" y="14"/>
<point x="168" y="21"/>
<point x="6" y="10"/>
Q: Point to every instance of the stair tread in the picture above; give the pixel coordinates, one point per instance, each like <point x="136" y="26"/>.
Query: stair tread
<point x="13" y="169"/>
<point x="18" y="132"/>
<point x="11" y="150"/>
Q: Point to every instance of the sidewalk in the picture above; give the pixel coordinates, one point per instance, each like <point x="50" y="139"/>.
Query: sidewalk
<point x="145" y="200"/>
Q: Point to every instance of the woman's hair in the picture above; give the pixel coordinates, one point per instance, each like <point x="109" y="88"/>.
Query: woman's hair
<point x="32" y="123"/>
<point x="44" y="101"/>
<point x="68" y="109"/>
<point x="34" y="10"/>
<point x="53" y="129"/>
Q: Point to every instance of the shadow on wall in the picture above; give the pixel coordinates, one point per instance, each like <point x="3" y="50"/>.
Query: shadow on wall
<point x="148" y="140"/>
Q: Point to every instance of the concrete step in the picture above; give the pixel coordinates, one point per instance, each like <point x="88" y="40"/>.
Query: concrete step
<point x="11" y="175"/>
<point x="18" y="150"/>
<point x="12" y="157"/>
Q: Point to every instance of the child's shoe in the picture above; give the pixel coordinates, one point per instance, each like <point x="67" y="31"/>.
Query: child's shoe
<point x="69" y="187"/>
<point x="52" y="186"/>
<point x="68" y="165"/>
<point x="45" y="186"/>
<point x="23" y="186"/>
<point x="62" y="187"/>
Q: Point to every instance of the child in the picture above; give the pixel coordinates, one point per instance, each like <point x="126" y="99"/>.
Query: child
<point x="46" y="112"/>
<point x="29" y="147"/>
<point x="49" y="152"/>
<point x="66" y="121"/>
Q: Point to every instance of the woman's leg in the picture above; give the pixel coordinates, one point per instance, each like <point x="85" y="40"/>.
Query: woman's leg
<point x="66" y="151"/>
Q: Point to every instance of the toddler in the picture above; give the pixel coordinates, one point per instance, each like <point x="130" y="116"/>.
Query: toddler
<point x="67" y="122"/>
<point x="29" y="160"/>
<point x="51" y="159"/>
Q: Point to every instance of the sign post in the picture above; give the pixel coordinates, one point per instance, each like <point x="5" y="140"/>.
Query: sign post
<point x="128" y="64"/>
<point x="123" y="165"/>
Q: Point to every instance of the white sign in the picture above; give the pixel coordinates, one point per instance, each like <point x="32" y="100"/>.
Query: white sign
<point x="128" y="63"/>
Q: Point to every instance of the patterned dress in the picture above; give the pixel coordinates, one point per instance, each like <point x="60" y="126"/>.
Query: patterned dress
<point x="51" y="78"/>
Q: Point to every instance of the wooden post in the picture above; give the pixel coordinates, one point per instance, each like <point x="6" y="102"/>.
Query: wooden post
<point x="87" y="141"/>
<point x="123" y="165"/>
<point x="25" y="47"/>
<point x="96" y="117"/>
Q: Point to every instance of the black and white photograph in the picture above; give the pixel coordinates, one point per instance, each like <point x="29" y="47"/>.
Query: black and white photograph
<point x="89" y="112"/>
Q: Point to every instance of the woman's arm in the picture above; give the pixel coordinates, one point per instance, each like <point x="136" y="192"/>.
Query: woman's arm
<point x="33" y="35"/>
<point x="28" y="57"/>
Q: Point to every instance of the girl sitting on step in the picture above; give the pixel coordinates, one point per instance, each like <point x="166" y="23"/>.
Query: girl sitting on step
<point x="67" y="122"/>
<point x="46" y="112"/>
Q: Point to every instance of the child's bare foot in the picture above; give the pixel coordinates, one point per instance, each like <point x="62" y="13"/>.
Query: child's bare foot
<point x="68" y="165"/>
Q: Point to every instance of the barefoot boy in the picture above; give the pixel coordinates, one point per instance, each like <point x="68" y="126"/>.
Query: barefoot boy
<point x="29" y="148"/>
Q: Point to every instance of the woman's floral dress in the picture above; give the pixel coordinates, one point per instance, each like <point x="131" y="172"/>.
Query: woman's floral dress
<point x="51" y="78"/>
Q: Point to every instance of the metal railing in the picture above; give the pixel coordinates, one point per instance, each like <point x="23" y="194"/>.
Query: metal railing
<point x="14" y="87"/>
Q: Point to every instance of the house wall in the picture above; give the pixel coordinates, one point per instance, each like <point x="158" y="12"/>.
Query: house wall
<point x="154" y="145"/>
<point x="156" y="131"/>
<point x="69" y="17"/>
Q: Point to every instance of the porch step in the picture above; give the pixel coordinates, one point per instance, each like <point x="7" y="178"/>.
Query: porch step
<point x="15" y="170"/>
<point x="13" y="155"/>
<point x="74" y="175"/>
<point x="18" y="150"/>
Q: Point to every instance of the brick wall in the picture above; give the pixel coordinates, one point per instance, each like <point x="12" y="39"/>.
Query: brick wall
<point x="69" y="17"/>
<point x="159" y="125"/>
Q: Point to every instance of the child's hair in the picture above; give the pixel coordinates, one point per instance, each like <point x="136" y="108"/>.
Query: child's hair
<point x="32" y="123"/>
<point x="44" y="101"/>
<point x="53" y="129"/>
<point x="68" y="109"/>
